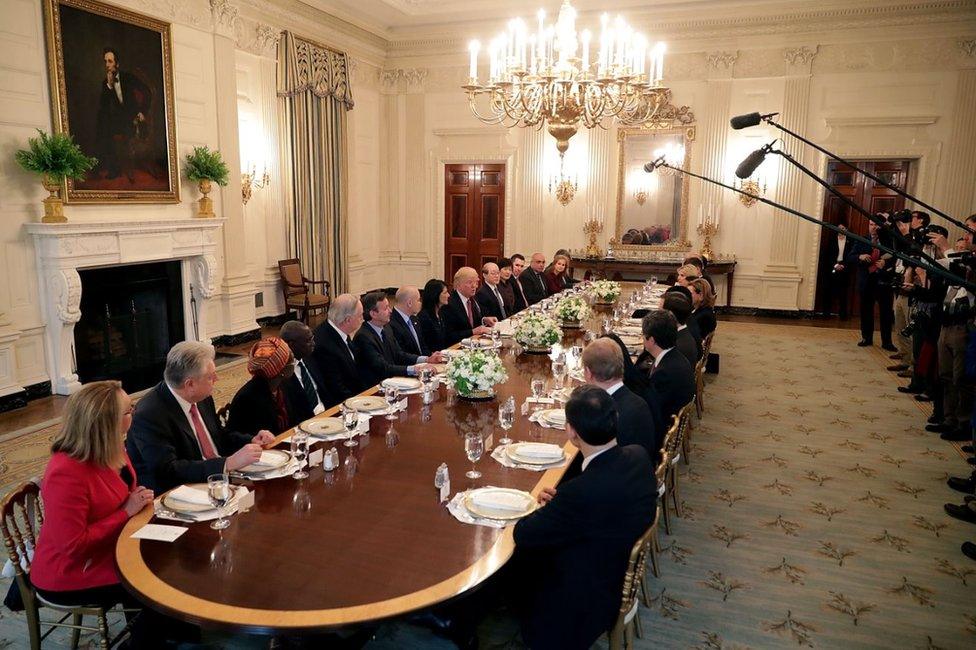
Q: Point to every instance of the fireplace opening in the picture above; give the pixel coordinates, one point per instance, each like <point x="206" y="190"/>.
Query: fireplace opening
<point x="130" y="317"/>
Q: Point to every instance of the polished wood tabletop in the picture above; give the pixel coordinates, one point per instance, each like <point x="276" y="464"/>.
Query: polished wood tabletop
<point x="365" y="542"/>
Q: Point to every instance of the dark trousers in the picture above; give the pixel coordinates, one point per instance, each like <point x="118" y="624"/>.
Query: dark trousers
<point x="839" y="283"/>
<point x="874" y="293"/>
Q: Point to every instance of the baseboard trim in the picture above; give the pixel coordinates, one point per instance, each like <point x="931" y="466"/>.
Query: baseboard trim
<point x="277" y="321"/>
<point x="797" y="314"/>
<point x="19" y="399"/>
<point x="228" y="340"/>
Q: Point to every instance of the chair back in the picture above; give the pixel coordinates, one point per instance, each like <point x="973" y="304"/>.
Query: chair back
<point x="707" y="344"/>
<point x="636" y="567"/>
<point x="21" y="516"/>
<point x="223" y="414"/>
<point x="292" y="279"/>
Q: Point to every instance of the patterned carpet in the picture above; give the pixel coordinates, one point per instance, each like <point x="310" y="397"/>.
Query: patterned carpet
<point x="812" y="513"/>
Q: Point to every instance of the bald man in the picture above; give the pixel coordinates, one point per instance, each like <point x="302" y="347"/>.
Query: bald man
<point x="461" y="315"/>
<point x="533" y="282"/>
<point x="404" y="323"/>
<point x="488" y="296"/>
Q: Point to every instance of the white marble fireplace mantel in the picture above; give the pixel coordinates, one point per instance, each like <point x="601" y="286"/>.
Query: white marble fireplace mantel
<point x="62" y="249"/>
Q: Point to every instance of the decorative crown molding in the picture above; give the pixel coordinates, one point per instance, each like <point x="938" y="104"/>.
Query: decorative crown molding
<point x="256" y="38"/>
<point x="413" y="80"/>
<point x="724" y="59"/>
<point x="967" y="47"/>
<point x="225" y="17"/>
<point x="802" y="55"/>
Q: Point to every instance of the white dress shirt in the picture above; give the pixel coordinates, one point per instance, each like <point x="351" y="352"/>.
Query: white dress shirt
<point x="346" y="339"/>
<point x="613" y="389"/>
<point x="841" y="241"/>
<point x="586" y="461"/>
<point x="657" y="359"/>
<point x="302" y="378"/>
<point x="189" y="418"/>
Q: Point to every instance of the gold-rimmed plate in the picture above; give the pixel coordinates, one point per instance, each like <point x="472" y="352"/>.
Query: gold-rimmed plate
<point x="271" y="459"/>
<point x="478" y="503"/>
<point x="555" y="417"/>
<point x="512" y="451"/>
<point x="185" y="507"/>
<point x="322" y="427"/>
<point x="367" y="404"/>
<point x="402" y="383"/>
<point x="630" y="340"/>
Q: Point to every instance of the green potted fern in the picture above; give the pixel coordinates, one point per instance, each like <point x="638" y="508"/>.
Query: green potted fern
<point x="55" y="157"/>
<point x="206" y="167"/>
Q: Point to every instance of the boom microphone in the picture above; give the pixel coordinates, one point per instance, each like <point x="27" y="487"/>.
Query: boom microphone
<point x="749" y="119"/>
<point x="654" y="164"/>
<point x="752" y="161"/>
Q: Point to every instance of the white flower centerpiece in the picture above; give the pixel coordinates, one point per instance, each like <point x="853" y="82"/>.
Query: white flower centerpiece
<point x="605" y="291"/>
<point x="572" y="310"/>
<point x="537" y="332"/>
<point x="475" y="373"/>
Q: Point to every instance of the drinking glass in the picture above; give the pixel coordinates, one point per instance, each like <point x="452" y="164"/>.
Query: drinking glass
<point x="299" y="449"/>
<point x="218" y="489"/>
<point x="653" y="281"/>
<point x="392" y="398"/>
<point x="474" y="446"/>
<point x="426" y="376"/>
<point x="506" y="419"/>
<point x="538" y="386"/>
<point x="558" y="367"/>
<point x="350" y="420"/>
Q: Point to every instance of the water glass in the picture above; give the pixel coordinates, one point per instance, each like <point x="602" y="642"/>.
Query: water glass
<point x="350" y="420"/>
<point x="299" y="450"/>
<point x="506" y="419"/>
<point x="392" y="398"/>
<point x="426" y="376"/>
<point x="474" y="446"/>
<point x="653" y="281"/>
<point x="538" y="386"/>
<point x="218" y="489"/>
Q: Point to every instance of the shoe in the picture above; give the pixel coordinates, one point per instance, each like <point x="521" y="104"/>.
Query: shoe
<point x="968" y="498"/>
<point x="935" y="419"/>
<point x="922" y="397"/>
<point x="941" y="427"/>
<point x="907" y="374"/>
<point x="968" y="449"/>
<point x="863" y="343"/>
<point x="889" y="347"/>
<point x="896" y="355"/>
<point x="909" y="389"/>
<point x="898" y="367"/>
<point x="969" y="550"/>
<point x="971" y="460"/>
<point x="963" y="513"/>
<point x="964" y="485"/>
<point x="956" y="436"/>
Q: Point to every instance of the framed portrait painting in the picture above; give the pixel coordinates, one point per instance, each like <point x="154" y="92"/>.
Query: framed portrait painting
<point x="111" y="75"/>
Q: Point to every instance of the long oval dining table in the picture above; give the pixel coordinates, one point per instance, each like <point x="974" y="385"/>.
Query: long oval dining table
<point x="367" y="542"/>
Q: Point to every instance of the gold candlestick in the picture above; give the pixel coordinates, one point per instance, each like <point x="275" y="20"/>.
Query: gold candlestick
<point x="592" y="228"/>
<point x="707" y="230"/>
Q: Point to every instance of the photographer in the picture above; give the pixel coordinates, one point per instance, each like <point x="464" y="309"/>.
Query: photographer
<point x="874" y="286"/>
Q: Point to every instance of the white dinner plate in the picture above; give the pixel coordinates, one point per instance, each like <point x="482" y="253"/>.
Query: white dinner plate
<point x="321" y="427"/>
<point x="403" y="383"/>
<point x="367" y="404"/>
<point x="484" y="510"/>
<point x="178" y="506"/>
<point x="512" y="451"/>
<point x="276" y="458"/>
<point x="556" y="417"/>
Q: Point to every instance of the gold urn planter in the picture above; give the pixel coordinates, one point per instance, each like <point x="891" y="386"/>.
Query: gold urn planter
<point x="53" y="205"/>
<point x="206" y="203"/>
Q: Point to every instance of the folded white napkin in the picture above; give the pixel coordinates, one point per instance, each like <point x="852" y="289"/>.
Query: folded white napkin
<point x="267" y="460"/>
<point x="401" y="382"/>
<point x="558" y="417"/>
<point x="540" y="450"/>
<point x="501" y="501"/>
<point x="188" y="494"/>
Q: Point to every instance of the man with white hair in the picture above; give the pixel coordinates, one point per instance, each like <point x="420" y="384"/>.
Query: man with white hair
<point x="334" y="351"/>
<point x="461" y="315"/>
<point x="176" y="437"/>
<point x="488" y="296"/>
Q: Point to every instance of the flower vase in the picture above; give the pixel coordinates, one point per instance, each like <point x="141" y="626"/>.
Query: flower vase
<point x="53" y="205"/>
<point x="538" y="349"/>
<point x="206" y="203"/>
<point x="478" y="395"/>
<point x="570" y="324"/>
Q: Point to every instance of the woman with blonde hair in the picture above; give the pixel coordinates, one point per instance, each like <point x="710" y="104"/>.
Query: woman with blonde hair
<point x="687" y="273"/>
<point x="89" y="493"/>
<point x="556" y="278"/>
<point x="703" y="301"/>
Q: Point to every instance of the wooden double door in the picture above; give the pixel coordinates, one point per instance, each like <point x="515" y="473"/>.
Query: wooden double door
<point x="474" y="216"/>
<point x="869" y="195"/>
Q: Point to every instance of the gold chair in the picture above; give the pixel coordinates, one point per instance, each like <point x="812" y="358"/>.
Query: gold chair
<point x="21" y="515"/>
<point x="700" y="387"/>
<point x="223" y="414"/>
<point x="622" y="634"/>
<point x="296" y="289"/>
<point x="652" y="550"/>
<point x="684" y="421"/>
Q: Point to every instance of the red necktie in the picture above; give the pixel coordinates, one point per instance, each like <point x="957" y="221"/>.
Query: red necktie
<point x="205" y="445"/>
<point x="470" y="314"/>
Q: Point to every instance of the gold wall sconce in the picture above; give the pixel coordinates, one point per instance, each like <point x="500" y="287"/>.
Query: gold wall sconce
<point x="250" y="182"/>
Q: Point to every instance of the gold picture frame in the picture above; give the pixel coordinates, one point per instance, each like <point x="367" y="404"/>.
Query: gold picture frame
<point x="685" y="130"/>
<point x="115" y="96"/>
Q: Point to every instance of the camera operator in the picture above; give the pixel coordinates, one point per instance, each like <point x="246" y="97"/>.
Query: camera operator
<point x="919" y="220"/>
<point x="874" y="286"/>
<point x="903" y="340"/>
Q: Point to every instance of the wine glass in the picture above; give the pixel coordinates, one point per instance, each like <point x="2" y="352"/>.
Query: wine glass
<point x="218" y="490"/>
<point x="392" y="398"/>
<point x="350" y="420"/>
<point x="506" y="419"/>
<point x="558" y="370"/>
<point x="426" y="376"/>
<point x="474" y="446"/>
<point x="538" y="386"/>
<point x="299" y="449"/>
<point x="653" y="281"/>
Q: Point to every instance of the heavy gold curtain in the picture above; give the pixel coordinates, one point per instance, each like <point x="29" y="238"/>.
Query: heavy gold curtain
<point x="313" y="97"/>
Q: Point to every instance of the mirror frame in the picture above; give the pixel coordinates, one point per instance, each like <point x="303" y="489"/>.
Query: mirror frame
<point x="681" y="242"/>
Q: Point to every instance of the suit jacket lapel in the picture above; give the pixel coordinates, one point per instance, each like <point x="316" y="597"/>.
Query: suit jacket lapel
<point x="177" y="413"/>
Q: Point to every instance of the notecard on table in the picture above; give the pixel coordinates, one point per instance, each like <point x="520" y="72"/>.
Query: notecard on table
<point x="315" y="458"/>
<point x="159" y="532"/>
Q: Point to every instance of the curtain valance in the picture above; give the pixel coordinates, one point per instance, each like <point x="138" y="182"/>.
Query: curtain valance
<point x="306" y="66"/>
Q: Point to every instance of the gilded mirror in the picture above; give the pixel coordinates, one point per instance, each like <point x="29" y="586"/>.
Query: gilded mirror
<point x="652" y="209"/>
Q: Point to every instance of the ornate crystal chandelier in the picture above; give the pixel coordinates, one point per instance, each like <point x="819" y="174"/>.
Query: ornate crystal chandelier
<point x="548" y="78"/>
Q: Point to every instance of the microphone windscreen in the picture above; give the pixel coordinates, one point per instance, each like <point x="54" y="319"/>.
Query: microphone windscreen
<point x="650" y="167"/>
<point x="749" y="165"/>
<point x="742" y="121"/>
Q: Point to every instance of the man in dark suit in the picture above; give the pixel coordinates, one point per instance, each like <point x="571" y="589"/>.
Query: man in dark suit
<point x="671" y="379"/>
<point x="839" y="249"/>
<point x="533" y="280"/>
<point x="689" y="345"/>
<point x="377" y="353"/>
<point x="334" y="350"/>
<point x="461" y="315"/>
<point x="488" y="296"/>
<point x="123" y="110"/>
<point x="603" y="366"/>
<point x="404" y="322"/>
<point x="574" y="549"/>
<point x="308" y="382"/>
<point x="518" y="268"/>
<point x="874" y="287"/>
<point x="175" y="436"/>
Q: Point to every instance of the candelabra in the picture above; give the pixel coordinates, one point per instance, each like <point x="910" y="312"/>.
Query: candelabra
<point x="707" y="230"/>
<point x="640" y="195"/>
<point x="563" y="188"/>
<point x="592" y="228"/>
<point x="751" y="187"/>
<point x="250" y="182"/>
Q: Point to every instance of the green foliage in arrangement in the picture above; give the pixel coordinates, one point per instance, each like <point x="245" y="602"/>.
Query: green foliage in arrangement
<point x="55" y="155"/>
<point x="206" y="165"/>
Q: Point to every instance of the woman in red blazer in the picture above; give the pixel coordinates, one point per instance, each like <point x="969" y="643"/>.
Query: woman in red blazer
<point x="89" y="492"/>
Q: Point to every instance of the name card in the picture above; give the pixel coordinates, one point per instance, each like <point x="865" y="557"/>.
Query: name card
<point x="159" y="532"/>
<point x="246" y="502"/>
<point x="402" y="404"/>
<point x="540" y="400"/>
<point x="315" y="458"/>
<point x="363" y="423"/>
<point x="446" y="491"/>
